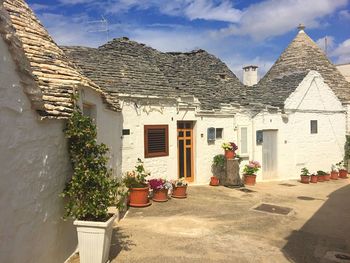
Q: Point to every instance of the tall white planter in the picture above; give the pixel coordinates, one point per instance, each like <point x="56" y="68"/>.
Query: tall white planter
<point x="94" y="240"/>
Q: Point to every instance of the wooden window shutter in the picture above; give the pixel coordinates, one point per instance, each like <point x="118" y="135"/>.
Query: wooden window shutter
<point x="156" y="140"/>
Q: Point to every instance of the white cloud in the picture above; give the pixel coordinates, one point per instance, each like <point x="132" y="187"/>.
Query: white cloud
<point x="275" y="17"/>
<point x="344" y="14"/>
<point x="342" y="52"/>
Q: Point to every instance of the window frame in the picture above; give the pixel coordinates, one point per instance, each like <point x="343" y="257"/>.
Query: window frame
<point x="240" y="140"/>
<point x="146" y="145"/>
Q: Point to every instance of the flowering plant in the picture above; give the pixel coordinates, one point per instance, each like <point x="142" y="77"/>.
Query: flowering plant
<point x="229" y="146"/>
<point x="179" y="182"/>
<point x="251" y="168"/>
<point x="158" y="184"/>
<point x="136" y="178"/>
<point x="340" y="165"/>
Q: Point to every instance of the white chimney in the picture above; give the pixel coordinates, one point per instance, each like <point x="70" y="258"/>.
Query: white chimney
<point x="250" y="75"/>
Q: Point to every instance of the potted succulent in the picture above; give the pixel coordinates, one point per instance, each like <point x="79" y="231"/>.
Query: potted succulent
<point x="321" y="176"/>
<point x="91" y="190"/>
<point x="138" y="186"/>
<point x="334" y="172"/>
<point x="249" y="171"/>
<point x="230" y="148"/>
<point x="179" y="188"/>
<point x="160" y="188"/>
<point x="343" y="173"/>
<point x="314" y="178"/>
<point x="305" y="176"/>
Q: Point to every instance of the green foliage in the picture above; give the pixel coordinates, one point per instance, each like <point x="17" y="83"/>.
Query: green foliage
<point x="305" y="172"/>
<point x="321" y="173"/>
<point x="219" y="160"/>
<point x="347" y="148"/>
<point x="91" y="189"/>
<point x="137" y="177"/>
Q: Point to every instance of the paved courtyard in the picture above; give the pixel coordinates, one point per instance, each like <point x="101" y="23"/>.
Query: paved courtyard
<point x="218" y="224"/>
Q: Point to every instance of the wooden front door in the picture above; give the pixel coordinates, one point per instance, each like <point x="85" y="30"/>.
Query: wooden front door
<point x="185" y="150"/>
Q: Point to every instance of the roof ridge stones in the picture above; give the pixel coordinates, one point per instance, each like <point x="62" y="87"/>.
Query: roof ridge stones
<point x="126" y="66"/>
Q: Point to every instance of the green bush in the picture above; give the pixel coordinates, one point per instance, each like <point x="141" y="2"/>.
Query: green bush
<point x="219" y="160"/>
<point x="91" y="189"/>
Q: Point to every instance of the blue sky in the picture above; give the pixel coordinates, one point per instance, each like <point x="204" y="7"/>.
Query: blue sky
<point x="239" y="32"/>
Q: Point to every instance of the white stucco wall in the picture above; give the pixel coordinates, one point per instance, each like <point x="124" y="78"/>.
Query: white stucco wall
<point x="34" y="166"/>
<point x="297" y="147"/>
<point x="345" y="70"/>
<point x="134" y="118"/>
<point x="109" y="127"/>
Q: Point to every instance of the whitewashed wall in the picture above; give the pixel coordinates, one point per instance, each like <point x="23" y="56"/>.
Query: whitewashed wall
<point x="109" y="127"/>
<point x="134" y="118"/>
<point x="34" y="166"/>
<point x="297" y="147"/>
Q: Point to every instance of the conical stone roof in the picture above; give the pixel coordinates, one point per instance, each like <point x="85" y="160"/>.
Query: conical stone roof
<point x="301" y="56"/>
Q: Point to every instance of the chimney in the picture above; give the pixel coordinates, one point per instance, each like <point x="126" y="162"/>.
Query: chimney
<point x="250" y="75"/>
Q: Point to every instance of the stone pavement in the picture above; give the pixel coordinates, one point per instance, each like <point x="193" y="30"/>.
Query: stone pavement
<point x="218" y="224"/>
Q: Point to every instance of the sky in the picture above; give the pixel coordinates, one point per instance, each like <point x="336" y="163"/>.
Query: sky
<point x="239" y="32"/>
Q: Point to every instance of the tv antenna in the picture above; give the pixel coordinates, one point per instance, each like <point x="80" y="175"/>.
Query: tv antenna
<point x="99" y="26"/>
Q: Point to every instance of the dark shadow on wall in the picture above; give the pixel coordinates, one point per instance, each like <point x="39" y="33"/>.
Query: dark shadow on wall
<point x="120" y="241"/>
<point x="327" y="230"/>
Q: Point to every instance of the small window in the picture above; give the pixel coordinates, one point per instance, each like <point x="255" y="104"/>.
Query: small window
<point x="218" y="133"/>
<point x="259" y="137"/>
<point x="126" y="132"/>
<point x="313" y="126"/>
<point x="156" y="140"/>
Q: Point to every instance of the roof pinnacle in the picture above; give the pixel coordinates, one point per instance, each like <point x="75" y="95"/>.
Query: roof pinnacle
<point x="301" y="27"/>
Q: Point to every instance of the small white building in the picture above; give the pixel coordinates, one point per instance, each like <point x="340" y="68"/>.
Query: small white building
<point x="36" y="84"/>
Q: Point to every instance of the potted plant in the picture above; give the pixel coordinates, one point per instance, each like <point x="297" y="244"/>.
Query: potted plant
<point x="314" y="178"/>
<point x="334" y="172"/>
<point x="137" y="184"/>
<point x="91" y="190"/>
<point x="179" y="188"/>
<point x="327" y="176"/>
<point x="230" y="148"/>
<point x="343" y="173"/>
<point x="305" y="176"/>
<point x="160" y="188"/>
<point x="218" y="168"/>
<point x="321" y="176"/>
<point x="249" y="171"/>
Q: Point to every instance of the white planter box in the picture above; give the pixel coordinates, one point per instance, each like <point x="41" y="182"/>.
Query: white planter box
<point x="94" y="240"/>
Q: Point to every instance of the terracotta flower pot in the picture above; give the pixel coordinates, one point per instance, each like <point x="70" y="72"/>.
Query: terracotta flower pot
<point x="343" y="173"/>
<point x="214" y="181"/>
<point x="314" y="179"/>
<point x="160" y="195"/>
<point x="334" y="175"/>
<point x="229" y="154"/>
<point x="249" y="179"/>
<point x="320" y="178"/>
<point x="179" y="191"/>
<point x="304" y="179"/>
<point x="327" y="177"/>
<point x="138" y="197"/>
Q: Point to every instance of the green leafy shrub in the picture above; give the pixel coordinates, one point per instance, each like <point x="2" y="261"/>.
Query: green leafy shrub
<point x="219" y="160"/>
<point x="305" y="172"/>
<point x="137" y="177"/>
<point x="321" y="173"/>
<point x="91" y="189"/>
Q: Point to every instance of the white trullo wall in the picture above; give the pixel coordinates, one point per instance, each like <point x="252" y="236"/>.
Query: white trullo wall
<point x="109" y="127"/>
<point x="34" y="166"/>
<point x="135" y="116"/>
<point x="296" y="146"/>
